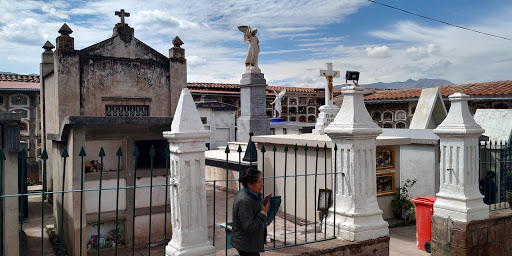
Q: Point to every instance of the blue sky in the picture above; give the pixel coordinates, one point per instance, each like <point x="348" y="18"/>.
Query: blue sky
<point x="297" y="38"/>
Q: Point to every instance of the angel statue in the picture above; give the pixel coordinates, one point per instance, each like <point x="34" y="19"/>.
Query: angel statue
<point x="277" y="103"/>
<point x="254" y="46"/>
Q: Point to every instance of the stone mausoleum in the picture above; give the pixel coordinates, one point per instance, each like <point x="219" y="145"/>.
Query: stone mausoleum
<point x="118" y="93"/>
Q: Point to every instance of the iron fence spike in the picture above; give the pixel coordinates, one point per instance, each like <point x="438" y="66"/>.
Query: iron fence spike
<point x="102" y="152"/>
<point x="152" y="151"/>
<point x="44" y="155"/>
<point x="119" y="152"/>
<point x="65" y="153"/>
<point x="82" y="152"/>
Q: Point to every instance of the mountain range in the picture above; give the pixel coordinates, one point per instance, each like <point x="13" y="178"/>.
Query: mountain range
<point x="420" y="83"/>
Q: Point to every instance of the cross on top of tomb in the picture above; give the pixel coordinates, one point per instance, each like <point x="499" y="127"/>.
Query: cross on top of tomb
<point x="122" y="14"/>
<point x="329" y="74"/>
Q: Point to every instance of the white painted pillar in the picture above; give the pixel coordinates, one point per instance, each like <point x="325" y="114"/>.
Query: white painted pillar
<point x="459" y="197"/>
<point x="187" y="172"/>
<point x="355" y="215"/>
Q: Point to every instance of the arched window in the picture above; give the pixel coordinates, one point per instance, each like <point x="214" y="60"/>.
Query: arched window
<point x="24" y="129"/>
<point x="19" y="100"/>
<point x="400" y="125"/>
<point x="388" y="116"/>
<point x="302" y="118"/>
<point x="1" y="100"/>
<point x="388" y="125"/>
<point x="401" y="115"/>
<point x="385" y="157"/>
<point x="377" y="116"/>
<point x="24" y="112"/>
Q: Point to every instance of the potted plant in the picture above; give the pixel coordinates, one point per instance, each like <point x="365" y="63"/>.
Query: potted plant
<point x="403" y="208"/>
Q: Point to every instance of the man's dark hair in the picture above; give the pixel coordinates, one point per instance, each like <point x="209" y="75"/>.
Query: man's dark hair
<point x="249" y="176"/>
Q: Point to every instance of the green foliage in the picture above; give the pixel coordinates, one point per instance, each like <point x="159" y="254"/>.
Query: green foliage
<point x="30" y="182"/>
<point x="403" y="208"/>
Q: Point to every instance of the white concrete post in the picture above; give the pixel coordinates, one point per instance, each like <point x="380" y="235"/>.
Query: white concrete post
<point x="459" y="198"/>
<point x="355" y="216"/>
<point x="187" y="173"/>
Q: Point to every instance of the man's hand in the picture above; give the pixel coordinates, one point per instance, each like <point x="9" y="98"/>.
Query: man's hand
<point x="264" y="207"/>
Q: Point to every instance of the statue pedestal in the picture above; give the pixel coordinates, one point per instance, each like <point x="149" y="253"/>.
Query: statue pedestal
<point x="253" y="97"/>
<point x="326" y="116"/>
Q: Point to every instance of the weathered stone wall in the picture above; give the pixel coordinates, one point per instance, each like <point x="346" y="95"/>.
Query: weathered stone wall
<point x="491" y="236"/>
<point x="115" y="72"/>
<point x="337" y="247"/>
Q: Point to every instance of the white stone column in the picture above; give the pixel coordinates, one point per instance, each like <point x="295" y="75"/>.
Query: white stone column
<point x="187" y="174"/>
<point x="355" y="214"/>
<point x="459" y="198"/>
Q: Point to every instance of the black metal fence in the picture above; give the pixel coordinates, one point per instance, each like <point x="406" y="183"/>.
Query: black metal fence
<point x="495" y="173"/>
<point x="295" y="186"/>
<point x="104" y="241"/>
<point x="303" y="195"/>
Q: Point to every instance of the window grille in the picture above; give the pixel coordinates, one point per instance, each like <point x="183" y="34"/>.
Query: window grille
<point x="126" y="110"/>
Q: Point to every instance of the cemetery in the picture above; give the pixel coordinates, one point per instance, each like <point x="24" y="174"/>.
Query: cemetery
<point x="131" y="162"/>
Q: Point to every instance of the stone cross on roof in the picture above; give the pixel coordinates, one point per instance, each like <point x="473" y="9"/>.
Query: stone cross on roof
<point x="122" y="14"/>
<point x="329" y="74"/>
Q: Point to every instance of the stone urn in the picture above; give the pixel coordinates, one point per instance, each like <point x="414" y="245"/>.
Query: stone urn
<point x="509" y="198"/>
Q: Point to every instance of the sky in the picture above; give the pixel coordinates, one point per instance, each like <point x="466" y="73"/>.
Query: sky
<point x="297" y="37"/>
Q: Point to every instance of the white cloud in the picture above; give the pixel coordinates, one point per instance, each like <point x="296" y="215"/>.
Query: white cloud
<point x="416" y="53"/>
<point x="53" y="12"/>
<point x="216" y="52"/>
<point x="378" y="51"/>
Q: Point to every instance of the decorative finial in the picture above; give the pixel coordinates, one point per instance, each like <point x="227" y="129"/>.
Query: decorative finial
<point x="122" y="14"/>
<point x="177" y="42"/>
<point x="65" y="30"/>
<point x="48" y="46"/>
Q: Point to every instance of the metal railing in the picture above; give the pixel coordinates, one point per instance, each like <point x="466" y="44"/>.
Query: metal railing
<point x="294" y="184"/>
<point x="495" y="173"/>
<point x="100" y="243"/>
<point x="297" y="222"/>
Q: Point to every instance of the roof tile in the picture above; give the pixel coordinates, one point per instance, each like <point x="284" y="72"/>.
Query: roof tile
<point x="488" y="88"/>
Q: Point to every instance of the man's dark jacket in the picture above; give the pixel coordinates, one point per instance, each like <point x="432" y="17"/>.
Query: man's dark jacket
<point x="249" y="225"/>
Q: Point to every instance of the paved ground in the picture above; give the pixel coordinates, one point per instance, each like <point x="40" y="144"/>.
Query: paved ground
<point x="402" y="242"/>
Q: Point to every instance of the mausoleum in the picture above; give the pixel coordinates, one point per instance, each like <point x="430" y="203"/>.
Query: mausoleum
<point x="117" y="94"/>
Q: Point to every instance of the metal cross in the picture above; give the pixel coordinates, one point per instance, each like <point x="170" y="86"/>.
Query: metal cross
<point x="122" y="14"/>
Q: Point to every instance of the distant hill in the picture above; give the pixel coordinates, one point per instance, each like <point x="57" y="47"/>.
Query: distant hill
<point x="421" y="83"/>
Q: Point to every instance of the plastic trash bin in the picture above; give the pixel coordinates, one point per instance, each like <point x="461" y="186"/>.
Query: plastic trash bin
<point x="424" y="211"/>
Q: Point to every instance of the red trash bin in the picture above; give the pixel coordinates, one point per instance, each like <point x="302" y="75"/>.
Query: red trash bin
<point x="424" y="209"/>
